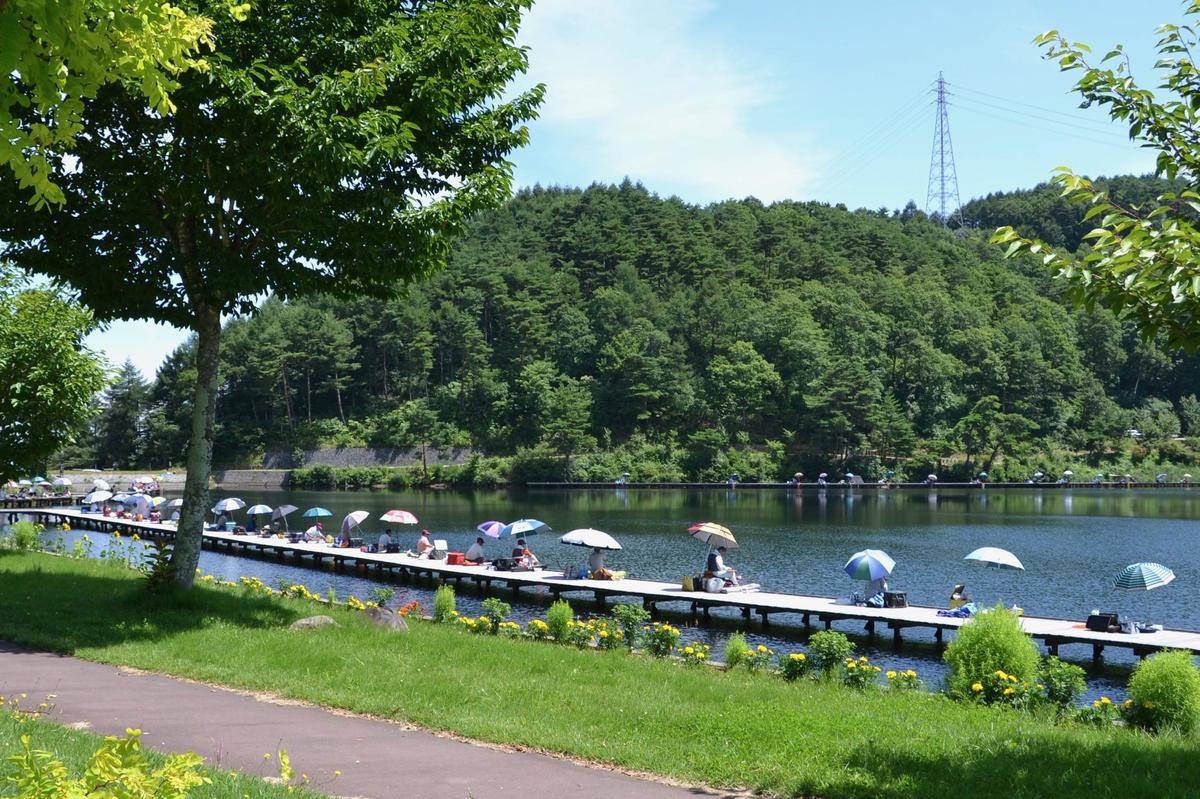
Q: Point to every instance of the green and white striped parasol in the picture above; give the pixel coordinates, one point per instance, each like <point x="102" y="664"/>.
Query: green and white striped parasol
<point x="1143" y="577"/>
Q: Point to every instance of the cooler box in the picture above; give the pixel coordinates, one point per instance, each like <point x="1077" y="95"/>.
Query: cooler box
<point x="455" y="558"/>
<point x="229" y="526"/>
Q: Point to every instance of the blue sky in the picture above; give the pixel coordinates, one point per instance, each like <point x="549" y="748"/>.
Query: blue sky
<point x="801" y="100"/>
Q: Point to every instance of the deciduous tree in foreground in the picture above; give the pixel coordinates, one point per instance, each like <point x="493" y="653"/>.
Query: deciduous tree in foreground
<point x="54" y="54"/>
<point x="1144" y="262"/>
<point x="331" y="147"/>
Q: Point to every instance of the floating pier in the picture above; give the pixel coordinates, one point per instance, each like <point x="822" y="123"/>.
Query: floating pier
<point x="1054" y="633"/>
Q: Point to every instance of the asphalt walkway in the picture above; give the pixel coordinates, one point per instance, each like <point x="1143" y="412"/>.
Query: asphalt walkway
<point x="232" y="730"/>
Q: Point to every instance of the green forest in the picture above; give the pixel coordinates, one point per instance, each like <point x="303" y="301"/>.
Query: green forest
<point x="581" y="333"/>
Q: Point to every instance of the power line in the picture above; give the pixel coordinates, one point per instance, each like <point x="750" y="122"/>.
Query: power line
<point x="1024" y="124"/>
<point x="960" y="88"/>
<point x="1050" y="120"/>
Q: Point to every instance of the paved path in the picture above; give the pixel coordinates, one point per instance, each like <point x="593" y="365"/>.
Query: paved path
<point x="232" y="730"/>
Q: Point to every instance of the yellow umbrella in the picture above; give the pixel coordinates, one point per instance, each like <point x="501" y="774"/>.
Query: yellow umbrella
<point x="713" y="535"/>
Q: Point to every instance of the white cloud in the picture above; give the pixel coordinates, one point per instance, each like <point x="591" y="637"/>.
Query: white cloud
<point x="640" y="92"/>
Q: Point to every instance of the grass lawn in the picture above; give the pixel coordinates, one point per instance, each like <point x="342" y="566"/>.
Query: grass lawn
<point x="694" y="724"/>
<point x="74" y="748"/>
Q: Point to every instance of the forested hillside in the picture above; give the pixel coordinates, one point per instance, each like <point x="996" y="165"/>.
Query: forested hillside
<point x="607" y="329"/>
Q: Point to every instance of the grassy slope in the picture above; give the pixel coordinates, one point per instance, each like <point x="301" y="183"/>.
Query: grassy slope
<point x="693" y="724"/>
<point x="74" y="749"/>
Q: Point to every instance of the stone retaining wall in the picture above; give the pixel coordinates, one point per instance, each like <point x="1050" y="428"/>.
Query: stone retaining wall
<point x="266" y="479"/>
<point x="365" y="456"/>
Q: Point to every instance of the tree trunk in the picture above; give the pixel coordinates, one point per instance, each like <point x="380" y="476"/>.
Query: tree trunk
<point x="186" y="554"/>
<point x="308" y="389"/>
<point x="287" y="395"/>
<point x="385" y="374"/>
<point x="337" y="390"/>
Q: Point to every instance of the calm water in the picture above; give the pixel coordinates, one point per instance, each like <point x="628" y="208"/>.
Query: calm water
<point x="1072" y="544"/>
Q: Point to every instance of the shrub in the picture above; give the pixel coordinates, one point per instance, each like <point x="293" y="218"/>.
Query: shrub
<point x="444" y="604"/>
<point x="24" y="535"/>
<point x="659" y="639"/>
<point x="579" y="633"/>
<point x="694" y="654"/>
<point x="794" y="666"/>
<point x="608" y="634"/>
<point x="1101" y="713"/>
<point x="904" y="680"/>
<point x="496" y="611"/>
<point x="559" y="619"/>
<point x="990" y="642"/>
<point x="1165" y="690"/>
<point x="116" y="769"/>
<point x="537" y="630"/>
<point x="759" y="658"/>
<point x="829" y="650"/>
<point x="860" y="673"/>
<point x="631" y="618"/>
<point x="1002" y="688"/>
<point x="1062" y="682"/>
<point x="380" y="595"/>
<point x="736" y="650"/>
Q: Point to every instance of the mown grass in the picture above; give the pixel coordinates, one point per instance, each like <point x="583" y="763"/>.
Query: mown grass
<point x="74" y="748"/>
<point x="694" y="724"/>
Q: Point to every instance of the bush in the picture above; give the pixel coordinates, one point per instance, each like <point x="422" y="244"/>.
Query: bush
<point x="829" y="650"/>
<point x="496" y="611"/>
<point x="759" y="658"/>
<point x="860" y="674"/>
<point x="444" y="604"/>
<point x="559" y="619"/>
<point x="794" y="666"/>
<point x="381" y="596"/>
<point x="659" y="639"/>
<point x="537" y="630"/>
<point x="1165" y="690"/>
<point x="118" y="769"/>
<point x="990" y="642"/>
<point x="24" y="535"/>
<point x="694" y="654"/>
<point x="736" y="650"/>
<point x="631" y="618"/>
<point x="1063" y="682"/>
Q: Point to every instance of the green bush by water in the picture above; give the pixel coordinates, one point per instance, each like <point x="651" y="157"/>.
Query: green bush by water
<point x="736" y="650"/>
<point x="991" y="641"/>
<point x="559" y="618"/>
<point x="829" y="650"/>
<point x="444" y="604"/>
<point x="1165" y="689"/>
<point x="1064" y="682"/>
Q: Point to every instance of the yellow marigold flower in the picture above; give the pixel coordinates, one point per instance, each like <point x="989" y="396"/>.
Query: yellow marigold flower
<point x="762" y="648"/>
<point x="1148" y="704"/>
<point x="1001" y="674"/>
<point x="687" y="650"/>
<point x="891" y="675"/>
<point x="1095" y="703"/>
<point x="910" y="673"/>
<point x="1008" y="691"/>
<point x="1127" y="703"/>
<point x="797" y="656"/>
<point x="1104" y="700"/>
<point x="851" y="665"/>
<point x="977" y="687"/>
<point x="700" y="655"/>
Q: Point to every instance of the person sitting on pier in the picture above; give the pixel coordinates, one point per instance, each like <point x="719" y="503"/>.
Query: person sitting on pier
<point x="155" y="516"/>
<point x="474" y="554"/>
<point x="384" y="541"/>
<point x="525" y="554"/>
<point x="716" y="567"/>
<point x="873" y="593"/>
<point x="958" y="597"/>
<point x="597" y="570"/>
<point x="424" y="546"/>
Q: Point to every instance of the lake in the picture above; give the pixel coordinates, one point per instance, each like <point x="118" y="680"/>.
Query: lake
<point x="1072" y="543"/>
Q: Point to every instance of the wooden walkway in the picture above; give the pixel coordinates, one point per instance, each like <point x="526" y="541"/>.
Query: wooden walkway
<point x="1054" y="633"/>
